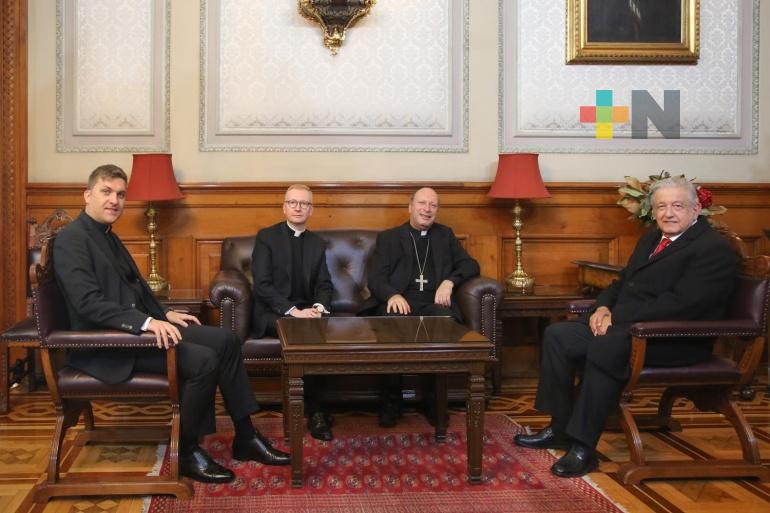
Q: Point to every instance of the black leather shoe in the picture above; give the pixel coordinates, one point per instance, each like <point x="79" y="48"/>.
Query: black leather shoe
<point x="199" y="466"/>
<point x="389" y="414"/>
<point x="319" y="427"/>
<point x="257" y="448"/>
<point x="546" y="438"/>
<point x="579" y="461"/>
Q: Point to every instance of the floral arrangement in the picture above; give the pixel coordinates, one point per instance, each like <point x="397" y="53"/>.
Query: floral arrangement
<point x="635" y="197"/>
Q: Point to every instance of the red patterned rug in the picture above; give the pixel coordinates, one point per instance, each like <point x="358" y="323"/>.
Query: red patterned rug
<point x="368" y="469"/>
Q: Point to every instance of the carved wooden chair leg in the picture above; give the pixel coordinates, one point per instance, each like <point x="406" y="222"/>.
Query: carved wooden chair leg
<point x="666" y="407"/>
<point x="56" y="448"/>
<point x="633" y="438"/>
<point x="746" y="436"/>
<point x="173" y="446"/>
<point x="88" y="416"/>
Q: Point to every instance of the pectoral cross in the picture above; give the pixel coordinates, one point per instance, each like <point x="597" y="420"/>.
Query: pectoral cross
<point x="421" y="281"/>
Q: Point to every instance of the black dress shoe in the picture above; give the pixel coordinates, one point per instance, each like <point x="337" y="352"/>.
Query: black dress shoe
<point x="579" y="461"/>
<point x="389" y="414"/>
<point x="546" y="438"/>
<point x="319" y="427"/>
<point x="257" y="448"/>
<point x="199" y="466"/>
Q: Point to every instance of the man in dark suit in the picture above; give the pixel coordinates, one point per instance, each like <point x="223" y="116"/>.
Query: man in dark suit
<point x="291" y="279"/>
<point x="414" y="270"/>
<point x="103" y="289"/>
<point x="682" y="270"/>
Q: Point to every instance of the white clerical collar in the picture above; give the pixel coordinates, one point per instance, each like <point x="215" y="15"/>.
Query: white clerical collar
<point x="297" y="232"/>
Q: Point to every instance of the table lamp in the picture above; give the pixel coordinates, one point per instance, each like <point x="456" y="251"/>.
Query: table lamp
<point x="152" y="179"/>
<point x="518" y="177"/>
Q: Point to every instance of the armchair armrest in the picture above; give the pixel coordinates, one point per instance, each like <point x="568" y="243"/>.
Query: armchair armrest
<point x="746" y="359"/>
<point x="231" y="292"/>
<point x="23" y="331"/>
<point x="726" y="328"/>
<point x="478" y="299"/>
<point x="97" y="339"/>
<point x="580" y="306"/>
<point x="114" y="339"/>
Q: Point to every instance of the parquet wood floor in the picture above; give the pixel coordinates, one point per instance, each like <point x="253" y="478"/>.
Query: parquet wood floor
<point x="25" y="440"/>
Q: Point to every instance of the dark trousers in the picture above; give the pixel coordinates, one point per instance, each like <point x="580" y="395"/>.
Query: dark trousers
<point x="207" y="357"/>
<point x="565" y="347"/>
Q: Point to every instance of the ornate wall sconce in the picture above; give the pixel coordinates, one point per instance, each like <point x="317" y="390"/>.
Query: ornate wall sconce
<point x="335" y="17"/>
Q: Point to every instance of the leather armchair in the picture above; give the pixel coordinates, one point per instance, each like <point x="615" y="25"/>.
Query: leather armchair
<point x="72" y="392"/>
<point x="347" y="256"/>
<point x="709" y="385"/>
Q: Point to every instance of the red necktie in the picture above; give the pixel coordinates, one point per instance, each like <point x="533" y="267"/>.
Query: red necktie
<point x="663" y="244"/>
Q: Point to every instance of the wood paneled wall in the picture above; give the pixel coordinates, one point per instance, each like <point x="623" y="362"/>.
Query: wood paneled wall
<point x="13" y="157"/>
<point x="579" y="221"/>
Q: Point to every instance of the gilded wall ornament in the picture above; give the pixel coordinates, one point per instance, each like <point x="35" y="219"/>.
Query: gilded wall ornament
<point x="335" y="17"/>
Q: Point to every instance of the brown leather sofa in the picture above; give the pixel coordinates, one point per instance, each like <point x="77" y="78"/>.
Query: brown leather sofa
<point x="347" y="255"/>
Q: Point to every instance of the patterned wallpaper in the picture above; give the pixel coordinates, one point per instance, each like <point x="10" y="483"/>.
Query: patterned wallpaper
<point x="399" y="82"/>
<point x="542" y="95"/>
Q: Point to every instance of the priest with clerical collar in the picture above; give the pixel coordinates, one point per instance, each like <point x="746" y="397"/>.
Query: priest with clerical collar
<point x="291" y="279"/>
<point x="415" y="269"/>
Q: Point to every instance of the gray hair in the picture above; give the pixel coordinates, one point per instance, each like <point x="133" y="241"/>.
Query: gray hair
<point x="676" y="181"/>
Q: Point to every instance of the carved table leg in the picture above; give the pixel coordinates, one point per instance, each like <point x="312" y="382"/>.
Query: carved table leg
<point x="441" y="407"/>
<point x="296" y="428"/>
<point x="475" y="427"/>
<point x="285" y="400"/>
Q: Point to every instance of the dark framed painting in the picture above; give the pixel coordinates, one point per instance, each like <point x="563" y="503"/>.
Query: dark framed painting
<point x="633" y="31"/>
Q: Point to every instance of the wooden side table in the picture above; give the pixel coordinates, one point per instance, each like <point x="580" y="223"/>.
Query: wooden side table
<point x="190" y="300"/>
<point x="546" y="304"/>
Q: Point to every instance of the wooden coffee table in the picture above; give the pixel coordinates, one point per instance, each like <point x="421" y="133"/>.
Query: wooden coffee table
<point x="383" y="345"/>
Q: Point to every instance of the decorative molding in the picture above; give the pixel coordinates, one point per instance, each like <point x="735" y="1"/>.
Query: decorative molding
<point x="289" y="81"/>
<point x="13" y="161"/>
<point x="88" y="119"/>
<point x="731" y="127"/>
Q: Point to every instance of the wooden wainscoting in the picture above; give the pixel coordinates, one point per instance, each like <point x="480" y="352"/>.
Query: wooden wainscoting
<point x="578" y="222"/>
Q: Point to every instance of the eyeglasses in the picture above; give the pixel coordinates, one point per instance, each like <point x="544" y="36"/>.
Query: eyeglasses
<point x="303" y="205"/>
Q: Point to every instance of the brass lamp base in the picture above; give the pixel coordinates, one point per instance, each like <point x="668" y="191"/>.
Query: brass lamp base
<point x="521" y="284"/>
<point x="158" y="284"/>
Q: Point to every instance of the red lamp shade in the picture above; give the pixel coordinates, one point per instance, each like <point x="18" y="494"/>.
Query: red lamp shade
<point x="518" y="176"/>
<point x="152" y="178"/>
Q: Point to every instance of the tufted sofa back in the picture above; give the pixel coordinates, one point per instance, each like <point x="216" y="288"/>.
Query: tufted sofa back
<point x="347" y="256"/>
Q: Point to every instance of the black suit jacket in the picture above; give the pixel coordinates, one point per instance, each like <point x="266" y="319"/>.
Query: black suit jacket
<point x="692" y="279"/>
<point x="393" y="261"/>
<point x="271" y="271"/>
<point x="98" y="296"/>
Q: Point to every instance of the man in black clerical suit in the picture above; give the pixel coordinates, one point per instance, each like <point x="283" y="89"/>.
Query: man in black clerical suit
<point x="103" y="289"/>
<point x="414" y="270"/>
<point x="682" y="270"/>
<point x="291" y="279"/>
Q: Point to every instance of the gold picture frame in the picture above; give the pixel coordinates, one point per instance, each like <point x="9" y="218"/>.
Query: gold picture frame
<point x="633" y="32"/>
